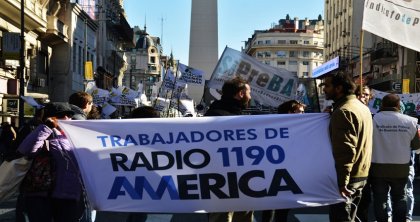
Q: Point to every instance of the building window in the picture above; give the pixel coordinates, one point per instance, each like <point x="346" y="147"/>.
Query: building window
<point x="292" y="62"/>
<point x="260" y="42"/>
<point x="152" y="59"/>
<point x="42" y="62"/>
<point x="293" y="42"/>
<point x="305" y="63"/>
<point x="294" y="73"/>
<point x="281" y="42"/>
<point x="293" y="54"/>
<point x="80" y="60"/>
<point x="267" y="62"/>
<point x="306" y="42"/>
<point x="305" y="74"/>
<point x="152" y="68"/>
<point x="315" y="43"/>
<point x="281" y="63"/>
<point x="305" y="54"/>
<point x="267" y="54"/>
<point x="268" y="42"/>
<point x="281" y="54"/>
<point x="74" y="57"/>
<point x="259" y="54"/>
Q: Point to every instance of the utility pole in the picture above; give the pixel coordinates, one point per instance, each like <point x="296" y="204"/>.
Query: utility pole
<point x="86" y="52"/>
<point x="22" y="65"/>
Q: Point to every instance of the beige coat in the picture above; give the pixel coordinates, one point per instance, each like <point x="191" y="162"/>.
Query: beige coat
<point x="351" y="138"/>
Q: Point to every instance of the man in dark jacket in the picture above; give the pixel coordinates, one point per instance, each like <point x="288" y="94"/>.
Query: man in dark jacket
<point x="81" y="104"/>
<point x="236" y="94"/>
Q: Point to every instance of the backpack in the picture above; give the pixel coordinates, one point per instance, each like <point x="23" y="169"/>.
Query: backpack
<point x="41" y="175"/>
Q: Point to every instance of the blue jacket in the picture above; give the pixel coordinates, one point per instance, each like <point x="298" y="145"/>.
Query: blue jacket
<point x="67" y="183"/>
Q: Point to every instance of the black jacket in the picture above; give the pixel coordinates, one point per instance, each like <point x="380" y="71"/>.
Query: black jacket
<point x="225" y="107"/>
<point x="79" y="114"/>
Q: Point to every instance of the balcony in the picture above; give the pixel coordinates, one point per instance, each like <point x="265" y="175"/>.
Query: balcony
<point x="35" y="17"/>
<point x="125" y="33"/>
<point x="384" y="54"/>
<point x="56" y="31"/>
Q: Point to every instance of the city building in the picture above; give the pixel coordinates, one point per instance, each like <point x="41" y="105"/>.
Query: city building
<point x="144" y="62"/>
<point x="296" y="45"/>
<point x="68" y="57"/>
<point x="41" y="29"/>
<point x="343" y="22"/>
<point x="114" y="36"/>
<point x="60" y="37"/>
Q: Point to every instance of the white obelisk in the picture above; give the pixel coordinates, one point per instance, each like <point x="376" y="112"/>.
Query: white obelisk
<point x="203" y="41"/>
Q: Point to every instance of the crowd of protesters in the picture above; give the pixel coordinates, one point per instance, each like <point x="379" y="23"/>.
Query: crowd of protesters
<point x="369" y="159"/>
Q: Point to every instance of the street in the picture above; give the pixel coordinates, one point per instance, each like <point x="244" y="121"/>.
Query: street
<point x="316" y="214"/>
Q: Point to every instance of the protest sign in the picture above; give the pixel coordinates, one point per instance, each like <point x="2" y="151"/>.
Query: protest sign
<point x="395" y="20"/>
<point x="410" y="102"/>
<point x="206" y="164"/>
<point x="269" y="85"/>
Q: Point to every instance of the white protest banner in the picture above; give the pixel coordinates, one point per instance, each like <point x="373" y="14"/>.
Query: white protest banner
<point x="107" y="110"/>
<point x="191" y="75"/>
<point x="169" y="81"/>
<point x="100" y="96"/>
<point x="129" y="93"/>
<point x="161" y="104"/>
<point x="411" y="102"/>
<point x="188" y="105"/>
<point x="123" y="96"/>
<point x="269" y="85"/>
<point x="115" y="94"/>
<point x="395" y="20"/>
<point x="90" y="86"/>
<point x="206" y="164"/>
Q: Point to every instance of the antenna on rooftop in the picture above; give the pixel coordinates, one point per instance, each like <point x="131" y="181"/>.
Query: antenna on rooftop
<point x="161" y="30"/>
<point x="144" y="22"/>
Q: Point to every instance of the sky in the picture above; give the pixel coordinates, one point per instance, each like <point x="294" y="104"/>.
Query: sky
<point x="170" y="20"/>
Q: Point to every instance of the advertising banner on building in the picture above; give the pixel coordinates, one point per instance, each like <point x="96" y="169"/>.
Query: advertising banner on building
<point x="89" y="70"/>
<point x="395" y="20"/>
<point x="206" y="164"/>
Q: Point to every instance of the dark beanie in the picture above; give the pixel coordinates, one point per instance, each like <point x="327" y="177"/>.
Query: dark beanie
<point x="57" y="109"/>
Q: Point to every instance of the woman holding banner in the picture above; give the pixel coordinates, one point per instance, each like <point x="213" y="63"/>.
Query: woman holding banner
<point x="289" y="107"/>
<point x="61" y="199"/>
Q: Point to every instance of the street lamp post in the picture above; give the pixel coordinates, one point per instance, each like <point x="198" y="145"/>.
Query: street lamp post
<point x="22" y="64"/>
<point x="132" y="67"/>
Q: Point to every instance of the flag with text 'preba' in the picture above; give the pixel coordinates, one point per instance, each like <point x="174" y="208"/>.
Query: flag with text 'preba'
<point x="269" y="85"/>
